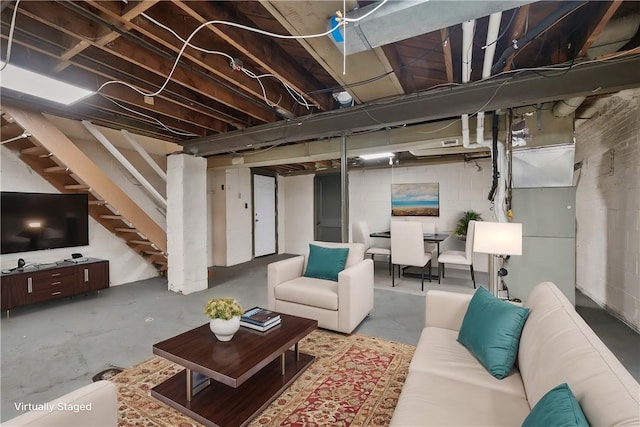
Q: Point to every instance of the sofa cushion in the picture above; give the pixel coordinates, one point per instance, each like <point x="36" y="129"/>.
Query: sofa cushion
<point x="558" y="407"/>
<point x="309" y="291"/>
<point x="433" y="400"/>
<point x="325" y="263"/>
<point x="557" y="346"/>
<point x="438" y="352"/>
<point x="491" y="331"/>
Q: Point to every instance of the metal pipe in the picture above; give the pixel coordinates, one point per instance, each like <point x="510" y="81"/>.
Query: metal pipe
<point x="344" y="189"/>
<point x="492" y="40"/>
<point x="468" y="28"/>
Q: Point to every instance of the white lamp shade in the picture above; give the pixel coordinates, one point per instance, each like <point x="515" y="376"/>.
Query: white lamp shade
<point x="498" y="238"/>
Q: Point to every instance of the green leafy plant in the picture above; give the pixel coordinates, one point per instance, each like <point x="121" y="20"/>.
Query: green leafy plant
<point x="463" y="222"/>
<point x="223" y="308"/>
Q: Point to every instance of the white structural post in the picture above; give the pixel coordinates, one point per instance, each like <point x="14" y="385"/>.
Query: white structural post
<point x="187" y="223"/>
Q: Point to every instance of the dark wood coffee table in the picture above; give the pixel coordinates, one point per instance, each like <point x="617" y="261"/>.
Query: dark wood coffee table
<point x="247" y="373"/>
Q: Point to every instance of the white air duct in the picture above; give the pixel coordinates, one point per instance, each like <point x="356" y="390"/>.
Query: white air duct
<point x="490" y="50"/>
<point x="616" y="34"/>
<point x="467" y="48"/>
<point x="468" y="28"/>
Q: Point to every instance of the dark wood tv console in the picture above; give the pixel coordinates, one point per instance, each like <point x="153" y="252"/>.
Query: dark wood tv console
<point x="46" y="282"/>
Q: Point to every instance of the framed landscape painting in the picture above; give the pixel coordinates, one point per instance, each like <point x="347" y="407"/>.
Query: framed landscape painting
<point x="415" y="199"/>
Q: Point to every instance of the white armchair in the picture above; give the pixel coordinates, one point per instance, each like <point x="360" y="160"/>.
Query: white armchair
<point x="339" y="306"/>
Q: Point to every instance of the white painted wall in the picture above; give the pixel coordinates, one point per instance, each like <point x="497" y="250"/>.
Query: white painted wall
<point x="127" y="183"/>
<point x="125" y="265"/>
<point x="608" y="207"/>
<point x="462" y="187"/>
<point x="231" y="209"/>
<point x="239" y="217"/>
<point x="297" y="216"/>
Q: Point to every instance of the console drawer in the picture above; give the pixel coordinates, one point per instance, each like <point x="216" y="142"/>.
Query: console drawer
<point x="54" y="291"/>
<point x="45" y="282"/>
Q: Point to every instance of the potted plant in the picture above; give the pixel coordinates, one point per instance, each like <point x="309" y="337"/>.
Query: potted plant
<point x="225" y="317"/>
<point x="463" y="223"/>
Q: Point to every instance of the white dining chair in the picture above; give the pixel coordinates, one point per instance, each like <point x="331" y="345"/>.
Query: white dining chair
<point x="360" y="234"/>
<point x="430" y="248"/>
<point x="407" y="248"/>
<point x="459" y="257"/>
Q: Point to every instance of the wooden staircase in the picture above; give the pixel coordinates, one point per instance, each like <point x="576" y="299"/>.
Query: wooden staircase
<point x="51" y="161"/>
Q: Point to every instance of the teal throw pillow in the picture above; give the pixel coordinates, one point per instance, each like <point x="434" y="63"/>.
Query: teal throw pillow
<point x="491" y="331"/>
<point x="326" y="263"/>
<point x="557" y="408"/>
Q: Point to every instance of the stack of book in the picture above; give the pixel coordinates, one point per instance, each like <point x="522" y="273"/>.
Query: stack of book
<point x="260" y="319"/>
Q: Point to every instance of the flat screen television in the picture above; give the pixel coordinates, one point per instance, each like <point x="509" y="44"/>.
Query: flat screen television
<point x="38" y="221"/>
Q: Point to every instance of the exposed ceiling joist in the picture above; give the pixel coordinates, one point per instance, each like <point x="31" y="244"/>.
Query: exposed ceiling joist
<point x="489" y="95"/>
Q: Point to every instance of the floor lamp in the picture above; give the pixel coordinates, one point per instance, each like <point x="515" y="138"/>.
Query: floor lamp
<point x="497" y="239"/>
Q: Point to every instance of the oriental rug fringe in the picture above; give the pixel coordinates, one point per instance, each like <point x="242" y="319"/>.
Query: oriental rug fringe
<point x="354" y="381"/>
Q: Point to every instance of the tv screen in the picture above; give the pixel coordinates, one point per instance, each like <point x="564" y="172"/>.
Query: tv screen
<point x="37" y="221"/>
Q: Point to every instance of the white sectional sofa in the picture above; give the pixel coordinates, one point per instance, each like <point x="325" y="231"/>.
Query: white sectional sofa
<point x="93" y="405"/>
<point x="447" y="386"/>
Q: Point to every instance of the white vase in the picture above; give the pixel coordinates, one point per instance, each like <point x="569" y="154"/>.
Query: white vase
<point x="224" y="329"/>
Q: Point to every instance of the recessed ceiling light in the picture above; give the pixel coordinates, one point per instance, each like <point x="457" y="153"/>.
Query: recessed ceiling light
<point x="25" y="81"/>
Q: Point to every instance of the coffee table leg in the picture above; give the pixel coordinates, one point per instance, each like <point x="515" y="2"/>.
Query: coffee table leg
<point x="189" y="389"/>
<point x="282" y="363"/>
<point x="297" y="350"/>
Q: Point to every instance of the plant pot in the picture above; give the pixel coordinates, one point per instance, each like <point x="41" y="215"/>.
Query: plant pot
<point x="224" y="329"/>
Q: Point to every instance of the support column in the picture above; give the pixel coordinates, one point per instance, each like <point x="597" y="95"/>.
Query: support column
<point x="344" y="186"/>
<point x="187" y="223"/>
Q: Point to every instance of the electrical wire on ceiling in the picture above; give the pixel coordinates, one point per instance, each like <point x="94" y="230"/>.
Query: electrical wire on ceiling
<point x="236" y="25"/>
<point x="237" y="65"/>
<point x="148" y="116"/>
<point x="10" y="40"/>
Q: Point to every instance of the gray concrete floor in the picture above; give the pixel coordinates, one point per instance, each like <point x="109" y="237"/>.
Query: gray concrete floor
<point x="53" y="348"/>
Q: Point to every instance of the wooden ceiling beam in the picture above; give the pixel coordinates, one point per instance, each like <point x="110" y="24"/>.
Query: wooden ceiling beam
<point x="517" y="31"/>
<point x="609" y="9"/>
<point x="37" y="59"/>
<point x="153" y="62"/>
<point x="214" y="64"/>
<point x="446" y="52"/>
<point x="134" y="9"/>
<point x="404" y="77"/>
<point x="181" y="128"/>
<point x="260" y="49"/>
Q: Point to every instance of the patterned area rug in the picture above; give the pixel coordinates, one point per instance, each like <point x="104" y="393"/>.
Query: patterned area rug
<point x="354" y="381"/>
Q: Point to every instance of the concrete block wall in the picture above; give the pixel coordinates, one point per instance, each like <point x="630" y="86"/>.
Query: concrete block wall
<point x="608" y="207"/>
<point x="461" y="186"/>
<point x="125" y="264"/>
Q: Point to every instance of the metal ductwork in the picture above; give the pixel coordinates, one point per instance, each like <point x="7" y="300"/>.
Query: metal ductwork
<point x="525" y="89"/>
<point x="400" y="20"/>
<point x="615" y="35"/>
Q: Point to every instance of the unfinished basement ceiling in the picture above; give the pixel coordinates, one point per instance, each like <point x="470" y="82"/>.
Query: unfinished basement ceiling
<point x="213" y="105"/>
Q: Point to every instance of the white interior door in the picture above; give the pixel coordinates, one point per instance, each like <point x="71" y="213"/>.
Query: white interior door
<point x="264" y="205"/>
